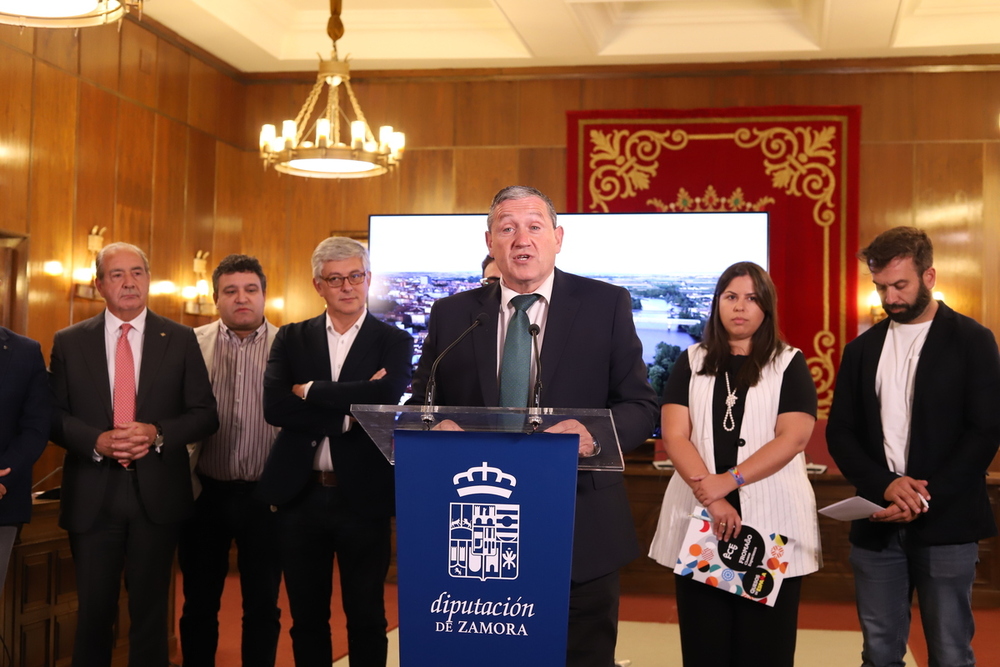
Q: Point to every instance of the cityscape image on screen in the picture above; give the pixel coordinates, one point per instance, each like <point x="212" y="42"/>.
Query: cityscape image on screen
<point x="669" y="263"/>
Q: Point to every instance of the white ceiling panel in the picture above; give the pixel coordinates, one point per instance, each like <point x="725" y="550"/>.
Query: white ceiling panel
<point x="286" y="35"/>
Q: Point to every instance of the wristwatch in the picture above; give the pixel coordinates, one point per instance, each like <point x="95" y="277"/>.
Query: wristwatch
<point x="158" y="440"/>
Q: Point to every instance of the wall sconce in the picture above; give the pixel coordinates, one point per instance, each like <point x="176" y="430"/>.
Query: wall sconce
<point x="875" y="307"/>
<point x="196" y="301"/>
<point x="83" y="277"/>
<point x="938" y="295"/>
<point x="53" y="268"/>
<point x="163" y="287"/>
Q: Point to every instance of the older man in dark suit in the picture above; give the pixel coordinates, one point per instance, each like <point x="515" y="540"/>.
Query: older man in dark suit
<point x="131" y="390"/>
<point x="25" y="411"/>
<point x="590" y="357"/>
<point x="332" y="487"/>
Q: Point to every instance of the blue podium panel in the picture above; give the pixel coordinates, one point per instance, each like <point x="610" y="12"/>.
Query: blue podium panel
<point x="484" y="544"/>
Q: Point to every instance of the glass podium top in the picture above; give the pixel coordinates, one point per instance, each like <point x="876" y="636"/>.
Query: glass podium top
<point x="381" y="421"/>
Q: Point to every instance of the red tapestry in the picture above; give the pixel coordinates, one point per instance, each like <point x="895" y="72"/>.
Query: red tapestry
<point x="800" y="164"/>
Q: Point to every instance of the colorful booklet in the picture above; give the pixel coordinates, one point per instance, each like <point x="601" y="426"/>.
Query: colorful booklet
<point x="751" y="565"/>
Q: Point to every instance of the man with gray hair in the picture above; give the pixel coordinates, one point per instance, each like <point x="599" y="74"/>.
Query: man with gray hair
<point x="332" y="489"/>
<point x="131" y="390"/>
<point x="591" y="358"/>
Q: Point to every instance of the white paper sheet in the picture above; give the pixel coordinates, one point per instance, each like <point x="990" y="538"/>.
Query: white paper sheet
<point x="850" y="509"/>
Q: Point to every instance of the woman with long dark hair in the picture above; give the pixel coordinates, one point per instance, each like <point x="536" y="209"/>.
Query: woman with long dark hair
<point x="737" y="412"/>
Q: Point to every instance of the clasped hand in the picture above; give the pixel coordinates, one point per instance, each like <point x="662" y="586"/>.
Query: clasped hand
<point x="709" y="488"/>
<point x="126" y="442"/>
<point x="909" y="500"/>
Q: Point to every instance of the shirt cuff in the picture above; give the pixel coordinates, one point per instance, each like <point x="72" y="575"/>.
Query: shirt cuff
<point x="306" y="388"/>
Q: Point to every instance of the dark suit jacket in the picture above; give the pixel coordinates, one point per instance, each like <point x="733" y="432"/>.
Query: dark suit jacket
<point x="173" y="392"/>
<point x="25" y="412"/>
<point x="954" y="432"/>
<point x="591" y="358"/>
<point x="301" y="354"/>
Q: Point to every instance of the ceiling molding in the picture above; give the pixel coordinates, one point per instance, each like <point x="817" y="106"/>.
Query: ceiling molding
<point x="285" y="35"/>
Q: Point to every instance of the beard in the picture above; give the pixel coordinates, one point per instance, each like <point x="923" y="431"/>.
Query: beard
<point x="907" y="312"/>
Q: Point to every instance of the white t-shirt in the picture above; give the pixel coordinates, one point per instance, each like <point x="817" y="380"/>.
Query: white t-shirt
<point x="897" y="368"/>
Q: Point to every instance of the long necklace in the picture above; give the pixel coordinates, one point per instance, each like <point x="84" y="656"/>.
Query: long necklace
<point x="728" y="422"/>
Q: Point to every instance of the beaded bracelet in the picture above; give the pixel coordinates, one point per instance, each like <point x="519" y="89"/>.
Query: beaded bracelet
<point x="735" y="472"/>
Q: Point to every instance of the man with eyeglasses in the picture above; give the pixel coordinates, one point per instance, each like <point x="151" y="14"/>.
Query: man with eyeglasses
<point x="331" y="487"/>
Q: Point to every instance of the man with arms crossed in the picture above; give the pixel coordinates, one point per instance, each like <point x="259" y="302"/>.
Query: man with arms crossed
<point x="914" y="426"/>
<point x="331" y="485"/>
<point x="131" y="390"/>
<point x="228" y="465"/>
<point x="591" y="358"/>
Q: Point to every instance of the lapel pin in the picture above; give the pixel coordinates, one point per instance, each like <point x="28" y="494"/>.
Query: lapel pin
<point x="162" y="334"/>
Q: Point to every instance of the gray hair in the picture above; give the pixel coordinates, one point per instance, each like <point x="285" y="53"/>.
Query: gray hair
<point x="519" y="192"/>
<point x="335" y="249"/>
<point x="112" y="248"/>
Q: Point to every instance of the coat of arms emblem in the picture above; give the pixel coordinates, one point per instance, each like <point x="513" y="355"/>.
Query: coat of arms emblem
<point x="483" y="536"/>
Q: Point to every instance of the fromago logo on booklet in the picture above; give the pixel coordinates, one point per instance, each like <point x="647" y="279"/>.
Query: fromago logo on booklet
<point x="483" y="536"/>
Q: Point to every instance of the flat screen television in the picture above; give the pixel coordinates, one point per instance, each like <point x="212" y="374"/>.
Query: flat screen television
<point x="669" y="262"/>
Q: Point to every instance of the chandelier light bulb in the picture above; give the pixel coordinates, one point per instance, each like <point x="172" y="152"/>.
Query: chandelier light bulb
<point x="357" y="134"/>
<point x="323" y="132"/>
<point x="268" y="134"/>
<point x="288" y="132"/>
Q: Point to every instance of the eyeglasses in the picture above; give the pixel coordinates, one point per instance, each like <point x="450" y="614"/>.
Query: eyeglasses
<point x="489" y="280"/>
<point x="355" y="278"/>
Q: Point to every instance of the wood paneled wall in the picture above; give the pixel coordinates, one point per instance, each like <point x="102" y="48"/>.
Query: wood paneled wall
<point x="136" y="131"/>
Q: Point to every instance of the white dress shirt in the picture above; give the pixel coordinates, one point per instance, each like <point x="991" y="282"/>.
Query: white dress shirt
<point x="340" y="346"/>
<point x="112" y="330"/>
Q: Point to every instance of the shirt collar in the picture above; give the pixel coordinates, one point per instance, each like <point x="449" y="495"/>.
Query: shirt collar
<point x="113" y="323"/>
<point x="256" y="333"/>
<point x="356" y="326"/>
<point x="544" y="290"/>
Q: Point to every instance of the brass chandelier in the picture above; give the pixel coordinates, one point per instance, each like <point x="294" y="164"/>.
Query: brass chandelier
<point x="64" y="13"/>
<point x="315" y="149"/>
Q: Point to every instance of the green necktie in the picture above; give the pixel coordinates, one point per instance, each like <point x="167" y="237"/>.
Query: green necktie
<point x="515" y="370"/>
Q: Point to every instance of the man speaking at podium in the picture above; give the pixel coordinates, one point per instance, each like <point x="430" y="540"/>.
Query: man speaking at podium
<point x="590" y="358"/>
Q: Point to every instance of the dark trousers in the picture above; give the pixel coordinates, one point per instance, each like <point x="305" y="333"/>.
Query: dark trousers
<point x="224" y="512"/>
<point x="720" y="629"/>
<point x="312" y="531"/>
<point x="593" y="622"/>
<point x="122" y="539"/>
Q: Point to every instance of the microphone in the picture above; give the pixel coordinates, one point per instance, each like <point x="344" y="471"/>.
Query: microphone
<point x="427" y="417"/>
<point x="535" y="408"/>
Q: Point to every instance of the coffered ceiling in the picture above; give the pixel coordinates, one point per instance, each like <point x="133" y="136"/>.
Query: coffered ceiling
<point x="287" y="35"/>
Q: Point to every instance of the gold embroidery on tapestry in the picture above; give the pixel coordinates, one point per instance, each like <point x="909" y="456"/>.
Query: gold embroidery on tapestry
<point x="710" y="201"/>
<point x="800" y="162"/>
<point x="624" y="164"/>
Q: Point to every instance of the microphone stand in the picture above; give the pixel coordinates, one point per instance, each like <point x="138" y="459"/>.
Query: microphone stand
<point x="535" y="409"/>
<point x="428" y="417"/>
